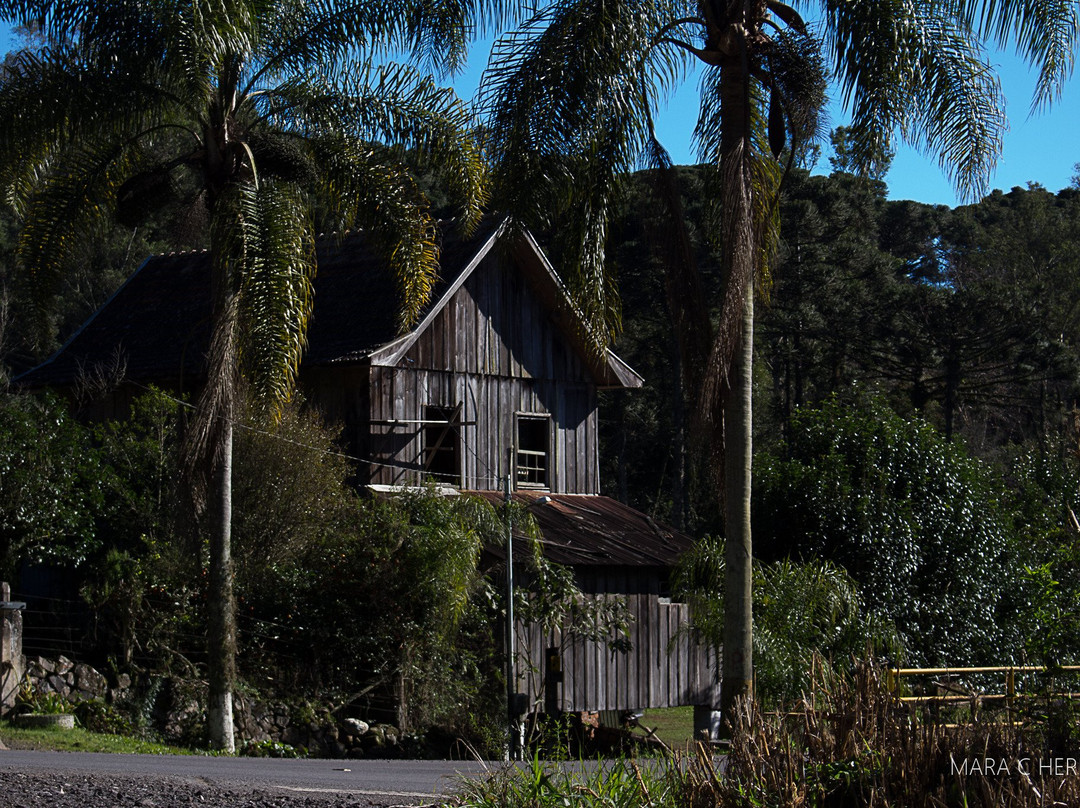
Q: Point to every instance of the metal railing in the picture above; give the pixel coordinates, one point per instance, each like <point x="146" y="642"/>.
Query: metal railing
<point x="951" y="692"/>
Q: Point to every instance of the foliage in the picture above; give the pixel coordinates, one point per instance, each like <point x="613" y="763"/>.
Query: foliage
<point x="619" y="783"/>
<point x="290" y="487"/>
<point x="50" y="485"/>
<point x="238" y="111"/>
<point x="270" y="749"/>
<point x="95" y="715"/>
<point x="881" y="753"/>
<point x="143" y="586"/>
<point x="854" y="743"/>
<point x="386" y="604"/>
<point x="1046" y="495"/>
<point x="919" y="524"/>
<point x="804" y="614"/>
<point x="550" y="599"/>
<point x="30" y="701"/>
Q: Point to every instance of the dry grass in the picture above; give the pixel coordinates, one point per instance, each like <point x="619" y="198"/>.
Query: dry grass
<point x="857" y="745"/>
<point x="853" y="745"/>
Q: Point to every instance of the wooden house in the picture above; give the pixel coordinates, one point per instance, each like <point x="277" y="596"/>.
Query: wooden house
<point x="495" y="380"/>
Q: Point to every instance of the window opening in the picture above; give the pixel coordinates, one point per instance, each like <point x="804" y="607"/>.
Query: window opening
<point x="533" y="450"/>
<point x="442" y="444"/>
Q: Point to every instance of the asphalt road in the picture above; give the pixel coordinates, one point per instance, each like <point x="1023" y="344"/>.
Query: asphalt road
<point x="406" y="780"/>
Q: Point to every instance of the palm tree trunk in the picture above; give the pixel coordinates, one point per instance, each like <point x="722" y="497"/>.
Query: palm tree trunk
<point x="217" y="402"/>
<point x="738" y="667"/>
<point x="737" y="329"/>
<point x="221" y="631"/>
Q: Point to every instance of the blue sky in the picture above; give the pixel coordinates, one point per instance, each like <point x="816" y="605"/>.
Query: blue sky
<point x="1041" y="148"/>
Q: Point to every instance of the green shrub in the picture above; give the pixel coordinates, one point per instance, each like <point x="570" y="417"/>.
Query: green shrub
<point x="270" y="749"/>
<point x="29" y="701"/>
<point x="802" y="612"/>
<point x="96" y="716"/>
<point x="922" y="527"/>
<point x="50" y="485"/>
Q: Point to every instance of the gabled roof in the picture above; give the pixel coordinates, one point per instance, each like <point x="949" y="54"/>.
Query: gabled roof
<point x="157" y="323"/>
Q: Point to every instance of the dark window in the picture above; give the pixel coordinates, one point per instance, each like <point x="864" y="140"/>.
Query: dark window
<point x="442" y="456"/>
<point x="533" y="451"/>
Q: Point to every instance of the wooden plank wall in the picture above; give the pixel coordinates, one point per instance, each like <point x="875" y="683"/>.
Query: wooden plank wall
<point x="664" y="668"/>
<point x="494" y="349"/>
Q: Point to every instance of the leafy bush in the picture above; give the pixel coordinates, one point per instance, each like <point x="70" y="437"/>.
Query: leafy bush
<point x="387" y="607"/>
<point x="96" y="716"/>
<point x="50" y="489"/>
<point x="921" y="526"/>
<point x="29" y="701"/>
<point x="802" y="613"/>
<point x="270" y="749"/>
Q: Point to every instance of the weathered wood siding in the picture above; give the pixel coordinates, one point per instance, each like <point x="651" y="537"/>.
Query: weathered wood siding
<point x="664" y="667"/>
<point x="494" y="350"/>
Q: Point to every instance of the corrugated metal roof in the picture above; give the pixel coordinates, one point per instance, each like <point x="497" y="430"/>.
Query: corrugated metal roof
<point x="586" y="530"/>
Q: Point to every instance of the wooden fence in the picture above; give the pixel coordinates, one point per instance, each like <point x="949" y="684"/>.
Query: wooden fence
<point x="665" y="666"/>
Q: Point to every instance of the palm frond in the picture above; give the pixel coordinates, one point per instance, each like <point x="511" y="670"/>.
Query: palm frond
<point x="234" y="237"/>
<point x="62" y="214"/>
<point x="742" y="185"/>
<point x="392" y="104"/>
<point x="1044" y="33"/>
<point x="52" y="100"/>
<point x="918" y="68"/>
<point x="275" y="292"/>
<point x="555" y="87"/>
<point x="365" y="189"/>
<point x="568" y="96"/>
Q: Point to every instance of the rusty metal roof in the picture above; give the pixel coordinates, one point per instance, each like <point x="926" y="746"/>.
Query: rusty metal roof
<point x="587" y="530"/>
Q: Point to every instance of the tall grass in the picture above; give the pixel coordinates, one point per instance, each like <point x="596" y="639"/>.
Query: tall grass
<point x="852" y="744"/>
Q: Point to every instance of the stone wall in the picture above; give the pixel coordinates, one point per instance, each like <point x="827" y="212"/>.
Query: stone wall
<point x="176" y="709"/>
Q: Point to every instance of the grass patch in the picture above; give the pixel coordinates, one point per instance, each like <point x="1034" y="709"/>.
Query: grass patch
<point x="80" y="740"/>
<point x="674" y="725"/>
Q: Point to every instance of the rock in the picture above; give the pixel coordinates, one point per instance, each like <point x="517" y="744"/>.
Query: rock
<point x="90" y="682"/>
<point x="46" y="665"/>
<point x="123" y="681"/>
<point x="354" y="726"/>
<point x="54" y="683"/>
<point x="64" y="665"/>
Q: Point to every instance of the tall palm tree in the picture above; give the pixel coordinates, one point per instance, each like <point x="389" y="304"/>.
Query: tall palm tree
<point x="251" y="111"/>
<point x="569" y="98"/>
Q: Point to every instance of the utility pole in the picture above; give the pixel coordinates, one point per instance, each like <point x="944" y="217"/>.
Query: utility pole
<point x="511" y="678"/>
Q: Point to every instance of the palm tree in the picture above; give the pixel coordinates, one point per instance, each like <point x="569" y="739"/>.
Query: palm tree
<point x="569" y="98"/>
<point x="250" y="111"/>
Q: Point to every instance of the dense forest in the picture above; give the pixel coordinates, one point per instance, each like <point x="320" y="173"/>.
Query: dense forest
<point x="966" y="318"/>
